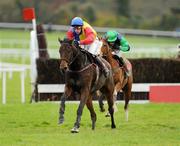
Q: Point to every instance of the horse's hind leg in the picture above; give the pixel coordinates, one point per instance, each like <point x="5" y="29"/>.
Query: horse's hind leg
<point x="62" y="109"/>
<point x="92" y="112"/>
<point x="127" y="96"/>
<point x="114" y="105"/>
<point x="101" y="104"/>
<point x="115" y="99"/>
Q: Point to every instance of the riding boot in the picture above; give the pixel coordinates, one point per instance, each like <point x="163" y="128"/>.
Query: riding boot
<point x="103" y="66"/>
<point x="124" y="66"/>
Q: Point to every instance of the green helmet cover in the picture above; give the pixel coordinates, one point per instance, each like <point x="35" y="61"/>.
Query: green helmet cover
<point x="111" y="36"/>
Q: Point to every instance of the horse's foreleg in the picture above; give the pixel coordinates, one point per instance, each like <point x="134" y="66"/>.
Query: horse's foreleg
<point x="62" y="109"/>
<point x="92" y="112"/>
<point x="75" y="129"/>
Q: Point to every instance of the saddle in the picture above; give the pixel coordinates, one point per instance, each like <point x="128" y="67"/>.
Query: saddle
<point x="118" y="60"/>
<point x="90" y="57"/>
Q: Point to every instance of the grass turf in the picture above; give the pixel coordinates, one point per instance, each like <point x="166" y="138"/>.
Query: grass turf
<point x="36" y="124"/>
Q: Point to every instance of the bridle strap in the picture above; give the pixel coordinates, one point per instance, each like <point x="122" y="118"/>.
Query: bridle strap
<point x="74" y="58"/>
<point x="64" y="59"/>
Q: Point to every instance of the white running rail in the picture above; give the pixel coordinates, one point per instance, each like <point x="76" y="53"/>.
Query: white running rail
<point x="136" y="87"/>
<point x="4" y="72"/>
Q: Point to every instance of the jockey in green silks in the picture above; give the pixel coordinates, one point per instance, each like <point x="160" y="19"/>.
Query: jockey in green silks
<point x="117" y="43"/>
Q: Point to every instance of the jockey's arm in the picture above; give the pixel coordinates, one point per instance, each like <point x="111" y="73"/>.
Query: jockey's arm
<point x="70" y="34"/>
<point x="124" y="45"/>
<point x="90" y="37"/>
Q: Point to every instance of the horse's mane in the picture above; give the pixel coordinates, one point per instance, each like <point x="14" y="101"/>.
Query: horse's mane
<point x="66" y="40"/>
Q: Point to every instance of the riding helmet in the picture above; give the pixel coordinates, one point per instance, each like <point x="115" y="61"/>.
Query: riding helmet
<point x="111" y="36"/>
<point x="77" y="21"/>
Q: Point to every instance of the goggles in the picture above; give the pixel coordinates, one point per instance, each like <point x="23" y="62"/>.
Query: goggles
<point x="77" y="28"/>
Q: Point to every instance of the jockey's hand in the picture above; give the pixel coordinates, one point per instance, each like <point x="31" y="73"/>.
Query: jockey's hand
<point x="116" y="47"/>
<point x="76" y="43"/>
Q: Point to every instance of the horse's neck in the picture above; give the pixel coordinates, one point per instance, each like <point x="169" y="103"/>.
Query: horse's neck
<point x="80" y="62"/>
<point x="110" y="58"/>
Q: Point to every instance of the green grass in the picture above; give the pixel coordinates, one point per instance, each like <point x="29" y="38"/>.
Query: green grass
<point x="36" y="124"/>
<point x="136" y="41"/>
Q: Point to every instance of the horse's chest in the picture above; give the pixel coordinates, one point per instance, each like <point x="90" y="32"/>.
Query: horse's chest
<point x="75" y="81"/>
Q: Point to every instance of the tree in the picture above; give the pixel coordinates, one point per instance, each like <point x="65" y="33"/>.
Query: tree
<point x="123" y="7"/>
<point x="90" y="14"/>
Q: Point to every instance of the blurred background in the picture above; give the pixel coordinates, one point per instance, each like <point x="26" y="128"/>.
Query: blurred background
<point x="148" y="25"/>
<point x="142" y="14"/>
<point x="151" y="27"/>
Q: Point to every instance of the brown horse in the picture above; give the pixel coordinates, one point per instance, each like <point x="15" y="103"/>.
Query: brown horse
<point x="83" y="79"/>
<point x="121" y="80"/>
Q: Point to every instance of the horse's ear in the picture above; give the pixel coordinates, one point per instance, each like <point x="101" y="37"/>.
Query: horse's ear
<point x="60" y="41"/>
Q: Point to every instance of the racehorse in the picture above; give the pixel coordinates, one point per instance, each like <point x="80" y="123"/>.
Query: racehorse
<point x="121" y="80"/>
<point x="82" y="80"/>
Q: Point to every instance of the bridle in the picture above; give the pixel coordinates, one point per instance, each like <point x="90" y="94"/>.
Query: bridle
<point x="108" y="49"/>
<point x="73" y="58"/>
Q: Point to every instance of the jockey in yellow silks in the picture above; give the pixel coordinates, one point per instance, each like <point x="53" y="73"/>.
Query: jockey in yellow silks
<point x="85" y="36"/>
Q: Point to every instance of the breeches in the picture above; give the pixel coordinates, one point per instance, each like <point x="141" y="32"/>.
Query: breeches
<point x="94" y="48"/>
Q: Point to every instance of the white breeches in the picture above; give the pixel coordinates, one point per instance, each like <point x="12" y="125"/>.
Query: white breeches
<point x="94" y="48"/>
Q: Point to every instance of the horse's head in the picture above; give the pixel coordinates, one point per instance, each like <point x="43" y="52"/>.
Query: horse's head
<point x="105" y="49"/>
<point x="66" y="51"/>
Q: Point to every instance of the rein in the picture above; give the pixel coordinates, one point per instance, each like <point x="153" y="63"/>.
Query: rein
<point x="74" y="58"/>
<point x="83" y="69"/>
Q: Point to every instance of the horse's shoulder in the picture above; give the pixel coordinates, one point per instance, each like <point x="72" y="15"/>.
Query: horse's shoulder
<point x="90" y="57"/>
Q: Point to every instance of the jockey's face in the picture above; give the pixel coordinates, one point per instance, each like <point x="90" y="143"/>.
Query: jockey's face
<point x="78" y="29"/>
<point x="111" y="44"/>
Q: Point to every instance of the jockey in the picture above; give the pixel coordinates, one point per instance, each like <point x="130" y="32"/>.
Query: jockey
<point x="86" y="37"/>
<point x="117" y="42"/>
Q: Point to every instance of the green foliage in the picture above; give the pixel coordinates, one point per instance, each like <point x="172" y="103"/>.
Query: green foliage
<point x="123" y="7"/>
<point x="169" y="22"/>
<point x="89" y="13"/>
<point x="115" y="13"/>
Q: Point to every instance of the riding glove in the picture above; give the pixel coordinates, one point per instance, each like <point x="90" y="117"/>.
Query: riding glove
<point x="76" y="43"/>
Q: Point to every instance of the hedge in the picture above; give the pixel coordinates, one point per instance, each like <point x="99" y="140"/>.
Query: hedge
<point x="146" y="70"/>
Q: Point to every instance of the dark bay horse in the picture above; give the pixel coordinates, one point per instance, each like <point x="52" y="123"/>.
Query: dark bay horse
<point x="121" y="80"/>
<point x="82" y="80"/>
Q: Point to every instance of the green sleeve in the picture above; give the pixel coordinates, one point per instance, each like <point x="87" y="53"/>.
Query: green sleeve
<point x="124" y="45"/>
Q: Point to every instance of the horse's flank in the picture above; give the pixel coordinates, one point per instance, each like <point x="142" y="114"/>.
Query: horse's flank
<point x="122" y="82"/>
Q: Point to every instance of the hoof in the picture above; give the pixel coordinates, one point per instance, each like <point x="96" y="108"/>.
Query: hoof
<point x="93" y="127"/>
<point x="75" y="130"/>
<point x="102" y="110"/>
<point x="113" y="126"/>
<point x="61" y="121"/>
<point x="107" y="115"/>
